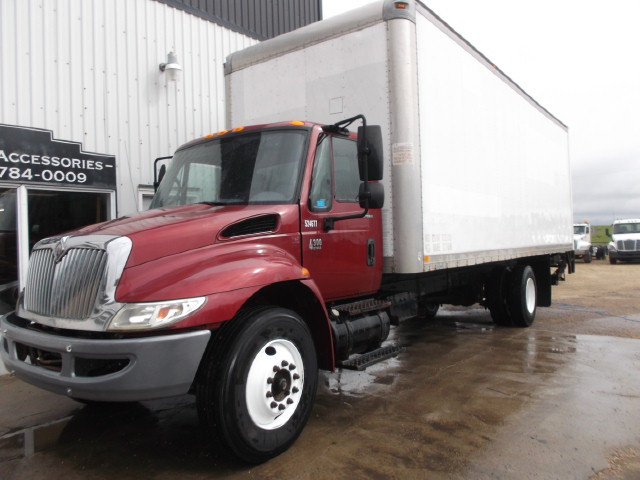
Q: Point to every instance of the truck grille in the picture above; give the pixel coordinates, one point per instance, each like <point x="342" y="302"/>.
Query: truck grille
<point x="628" y="245"/>
<point x="64" y="289"/>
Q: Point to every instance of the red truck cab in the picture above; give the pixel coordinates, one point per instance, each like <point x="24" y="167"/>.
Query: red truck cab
<point x="223" y="289"/>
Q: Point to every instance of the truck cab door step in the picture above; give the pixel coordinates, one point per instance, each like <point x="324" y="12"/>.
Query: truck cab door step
<point x="360" y="362"/>
<point x="362" y="306"/>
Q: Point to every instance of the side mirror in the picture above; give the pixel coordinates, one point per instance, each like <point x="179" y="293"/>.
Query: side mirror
<point x="370" y="161"/>
<point x="375" y="195"/>
<point x="607" y="232"/>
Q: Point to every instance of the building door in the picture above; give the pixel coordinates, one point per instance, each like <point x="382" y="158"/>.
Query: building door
<point x="48" y="212"/>
<point x="8" y="249"/>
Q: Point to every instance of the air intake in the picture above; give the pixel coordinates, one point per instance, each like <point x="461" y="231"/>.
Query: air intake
<point x="251" y="226"/>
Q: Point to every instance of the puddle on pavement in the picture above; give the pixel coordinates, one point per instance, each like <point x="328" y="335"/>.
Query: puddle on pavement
<point x="450" y="391"/>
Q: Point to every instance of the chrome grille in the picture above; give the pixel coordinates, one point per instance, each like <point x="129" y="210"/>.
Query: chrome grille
<point x="66" y="289"/>
<point x="628" y="245"/>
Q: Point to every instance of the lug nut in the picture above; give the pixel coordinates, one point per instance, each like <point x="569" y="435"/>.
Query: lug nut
<point x="292" y="367"/>
<point x="269" y="394"/>
<point x="295" y="390"/>
<point x="296" y="376"/>
<point x="273" y="405"/>
<point x="281" y="407"/>
<point x="284" y="363"/>
<point x="270" y="380"/>
<point x="289" y="401"/>
<point x="276" y="368"/>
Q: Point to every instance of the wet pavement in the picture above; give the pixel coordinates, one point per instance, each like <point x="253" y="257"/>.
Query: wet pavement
<point x="466" y="400"/>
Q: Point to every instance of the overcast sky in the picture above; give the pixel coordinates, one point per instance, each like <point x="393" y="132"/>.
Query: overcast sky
<point x="580" y="59"/>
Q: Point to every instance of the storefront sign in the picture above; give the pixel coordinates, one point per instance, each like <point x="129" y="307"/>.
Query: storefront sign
<point x="30" y="155"/>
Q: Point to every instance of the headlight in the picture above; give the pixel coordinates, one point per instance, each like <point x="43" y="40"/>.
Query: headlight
<point x="145" y="316"/>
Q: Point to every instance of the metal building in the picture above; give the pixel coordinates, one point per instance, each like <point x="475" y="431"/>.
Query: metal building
<point x="85" y="105"/>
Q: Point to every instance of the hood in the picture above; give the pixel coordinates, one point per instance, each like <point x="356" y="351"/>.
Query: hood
<point x="168" y="231"/>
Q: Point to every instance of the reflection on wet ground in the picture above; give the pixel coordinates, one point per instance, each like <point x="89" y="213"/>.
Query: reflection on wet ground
<point x="465" y="400"/>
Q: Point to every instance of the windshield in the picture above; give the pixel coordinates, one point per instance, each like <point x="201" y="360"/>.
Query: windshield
<point x="579" y="229"/>
<point x="253" y="168"/>
<point x="626" y="228"/>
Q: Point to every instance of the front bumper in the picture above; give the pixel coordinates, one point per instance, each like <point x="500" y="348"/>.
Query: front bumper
<point x="624" y="254"/>
<point x="103" y="369"/>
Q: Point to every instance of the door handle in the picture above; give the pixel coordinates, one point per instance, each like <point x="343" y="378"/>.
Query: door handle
<point x="371" y="252"/>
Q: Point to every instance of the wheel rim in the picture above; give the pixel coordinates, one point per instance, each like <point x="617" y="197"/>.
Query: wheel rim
<point x="274" y="384"/>
<point x="530" y="295"/>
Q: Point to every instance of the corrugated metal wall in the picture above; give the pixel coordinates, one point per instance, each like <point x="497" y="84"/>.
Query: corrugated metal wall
<point x="260" y="19"/>
<point x="88" y="71"/>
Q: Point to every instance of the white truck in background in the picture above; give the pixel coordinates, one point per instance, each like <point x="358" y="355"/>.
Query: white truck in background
<point x="625" y="240"/>
<point x="582" y="241"/>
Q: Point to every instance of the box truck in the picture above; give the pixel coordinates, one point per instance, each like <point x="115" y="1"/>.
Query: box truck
<point x="276" y="250"/>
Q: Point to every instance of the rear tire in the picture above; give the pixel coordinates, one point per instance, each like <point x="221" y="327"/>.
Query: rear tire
<point x="258" y="382"/>
<point x="522" y="296"/>
<point x="587" y="257"/>
<point x="497" y="297"/>
<point x="430" y="310"/>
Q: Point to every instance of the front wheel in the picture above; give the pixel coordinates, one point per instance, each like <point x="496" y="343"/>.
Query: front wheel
<point x="258" y="383"/>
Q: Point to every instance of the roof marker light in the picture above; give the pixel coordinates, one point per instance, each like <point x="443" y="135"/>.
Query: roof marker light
<point x="297" y="123"/>
<point x="401" y="5"/>
<point x="223" y="132"/>
<point x="237" y="129"/>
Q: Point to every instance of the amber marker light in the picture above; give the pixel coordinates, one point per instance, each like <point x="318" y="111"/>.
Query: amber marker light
<point x="297" y="123"/>
<point x="237" y="129"/>
<point x="305" y="272"/>
<point x="401" y="5"/>
<point x="211" y="135"/>
<point x="426" y="259"/>
<point x="223" y="132"/>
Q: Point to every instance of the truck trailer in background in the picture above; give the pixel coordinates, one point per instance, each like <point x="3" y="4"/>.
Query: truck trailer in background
<point x="277" y="249"/>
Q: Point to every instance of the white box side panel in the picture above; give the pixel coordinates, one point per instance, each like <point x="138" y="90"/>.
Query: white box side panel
<point x="495" y="169"/>
<point x="88" y="71"/>
<point x="324" y="82"/>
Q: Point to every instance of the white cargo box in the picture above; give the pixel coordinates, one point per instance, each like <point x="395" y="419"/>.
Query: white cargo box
<point x="476" y="170"/>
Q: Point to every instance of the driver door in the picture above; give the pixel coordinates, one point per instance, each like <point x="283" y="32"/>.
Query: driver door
<point x="345" y="261"/>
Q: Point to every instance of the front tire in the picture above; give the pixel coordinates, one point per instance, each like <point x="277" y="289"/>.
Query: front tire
<point x="258" y="383"/>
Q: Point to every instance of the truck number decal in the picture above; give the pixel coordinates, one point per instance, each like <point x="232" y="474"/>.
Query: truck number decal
<point x="315" y="244"/>
<point x="311" y="224"/>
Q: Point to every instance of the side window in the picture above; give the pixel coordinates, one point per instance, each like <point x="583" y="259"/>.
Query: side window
<point x="345" y="164"/>
<point x="320" y="195"/>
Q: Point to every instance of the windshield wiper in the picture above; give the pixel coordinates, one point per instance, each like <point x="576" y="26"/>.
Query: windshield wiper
<point x="223" y="204"/>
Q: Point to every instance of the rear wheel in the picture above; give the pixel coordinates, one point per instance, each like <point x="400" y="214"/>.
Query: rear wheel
<point x="430" y="310"/>
<point x="258" y="383"/>
<point x="497" y="297"/>
<point x="522" y="296"/>
<point x="587" y="257"/>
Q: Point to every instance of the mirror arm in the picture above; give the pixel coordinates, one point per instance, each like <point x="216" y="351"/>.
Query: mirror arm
<point x="329" y="222"/>
<point x="156" y="182"/>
